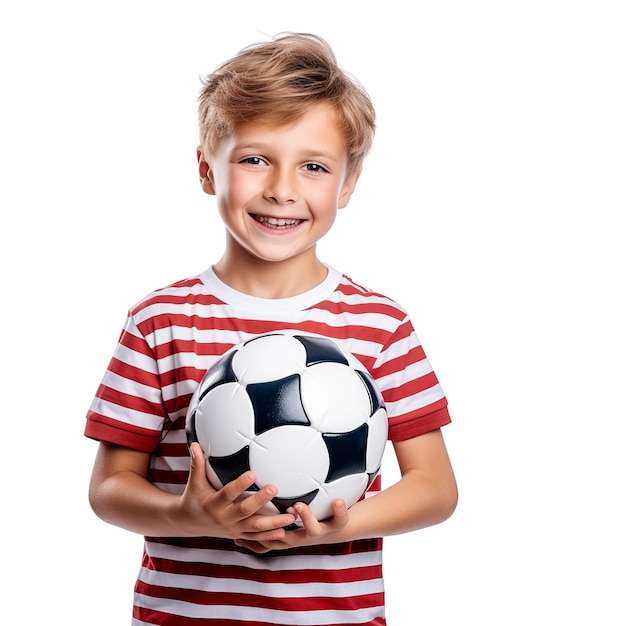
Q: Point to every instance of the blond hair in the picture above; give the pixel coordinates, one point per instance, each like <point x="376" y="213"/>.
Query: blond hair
<point x="278" y="81"/>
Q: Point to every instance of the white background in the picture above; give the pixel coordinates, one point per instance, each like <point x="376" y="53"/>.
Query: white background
<point x="490" y="208"/>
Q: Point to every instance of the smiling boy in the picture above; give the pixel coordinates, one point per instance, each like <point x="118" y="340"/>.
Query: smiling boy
<point x="283" y="135"/>
<point x="278" y="190"/>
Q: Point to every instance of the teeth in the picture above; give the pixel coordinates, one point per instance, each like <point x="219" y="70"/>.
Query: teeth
<point x="276" y="222"/>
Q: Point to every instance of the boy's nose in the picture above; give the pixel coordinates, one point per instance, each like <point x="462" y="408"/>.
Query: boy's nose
<point x="281" y="187"/>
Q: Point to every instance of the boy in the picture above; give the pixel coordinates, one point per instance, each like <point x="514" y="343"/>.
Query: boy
<point x="284" y="133"/>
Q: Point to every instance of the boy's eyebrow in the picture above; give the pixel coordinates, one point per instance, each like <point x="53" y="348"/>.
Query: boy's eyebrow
<point x="309" y="153"/>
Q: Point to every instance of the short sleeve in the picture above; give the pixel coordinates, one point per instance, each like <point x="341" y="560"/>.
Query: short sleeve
<point x="415" y="400"/>
<point x="128" y="406"/>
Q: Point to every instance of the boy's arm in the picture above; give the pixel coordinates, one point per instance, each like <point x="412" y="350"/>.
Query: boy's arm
<point x="426" y="494"/>
<point x="120" y="493"/>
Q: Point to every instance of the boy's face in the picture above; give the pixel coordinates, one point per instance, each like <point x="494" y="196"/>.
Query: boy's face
<point x="278" y="188"/>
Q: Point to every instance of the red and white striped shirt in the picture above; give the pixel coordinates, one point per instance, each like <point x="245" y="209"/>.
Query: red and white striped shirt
<point x="170" y="339"/>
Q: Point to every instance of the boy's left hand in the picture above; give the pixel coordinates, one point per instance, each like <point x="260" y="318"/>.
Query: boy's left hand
<point x="313" y="531"/>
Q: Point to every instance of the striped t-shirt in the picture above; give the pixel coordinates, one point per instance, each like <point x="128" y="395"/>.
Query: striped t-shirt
<point x="170" y="339"/>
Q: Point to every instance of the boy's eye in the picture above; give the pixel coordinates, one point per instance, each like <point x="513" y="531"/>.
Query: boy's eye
<point x="254" y="160"/>
<point x="316" y="168"/>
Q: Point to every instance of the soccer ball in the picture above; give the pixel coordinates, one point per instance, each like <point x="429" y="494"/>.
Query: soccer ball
<point x="300" y="412"/>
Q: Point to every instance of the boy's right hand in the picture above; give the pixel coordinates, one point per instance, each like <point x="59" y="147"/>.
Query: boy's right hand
<point x="120" y="493"/>
<point x="206" y="511"/>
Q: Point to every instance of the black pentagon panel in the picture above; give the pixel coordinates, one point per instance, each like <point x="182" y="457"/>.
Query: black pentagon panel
<point x="321" y="350"/>
<point x="347" y="452"/>
<point x="221" y="372"/>
<point x="376" y="398"/>
<point x="282" y="504"/>
<point x="232" y="466"/>
<point x="277" y="403"/>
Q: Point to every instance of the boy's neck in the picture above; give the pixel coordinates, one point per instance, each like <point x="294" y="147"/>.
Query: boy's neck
<point x="271" y="280"/>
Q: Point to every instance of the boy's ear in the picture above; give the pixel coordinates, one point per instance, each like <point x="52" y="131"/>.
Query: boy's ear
<point x="204" y="170"/>
<point x="347" y="189"/>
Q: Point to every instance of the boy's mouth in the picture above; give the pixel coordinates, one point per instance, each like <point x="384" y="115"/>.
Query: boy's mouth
<point x="276" y="222"/>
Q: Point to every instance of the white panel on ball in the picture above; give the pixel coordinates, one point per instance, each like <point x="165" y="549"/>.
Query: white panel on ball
<point x="254" y="363"/>
<point x="229" y="403"/>
<point x="334" y="398"/>
<point x="300" y="467"/>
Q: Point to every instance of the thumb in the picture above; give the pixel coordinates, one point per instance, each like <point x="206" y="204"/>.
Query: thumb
<point x="197" y="470"/>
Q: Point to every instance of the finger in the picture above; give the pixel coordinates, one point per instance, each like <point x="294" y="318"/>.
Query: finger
<point x="248" y="507"/>
<point x="309" y="521"/>
<point x="257" y="500"/>
<point x="262" y="542"/>
<point x="340" y="514"/>
<point x="233" y="490"/>
<point x="253" y="546"/>
<point x="197" y="470"/>
<point x="251" y="507"/>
